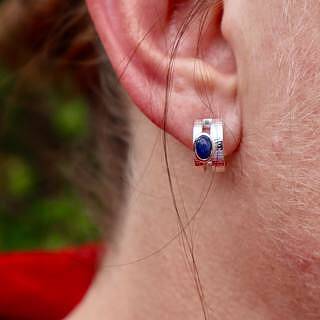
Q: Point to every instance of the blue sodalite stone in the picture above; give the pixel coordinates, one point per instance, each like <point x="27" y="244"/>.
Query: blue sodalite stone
<point x="203" y="147"/>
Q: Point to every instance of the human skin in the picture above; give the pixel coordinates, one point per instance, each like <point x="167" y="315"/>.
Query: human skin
<point x="256" y="239"/>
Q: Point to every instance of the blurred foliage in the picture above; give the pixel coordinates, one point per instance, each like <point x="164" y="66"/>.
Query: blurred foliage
<point x="40" y="130"/>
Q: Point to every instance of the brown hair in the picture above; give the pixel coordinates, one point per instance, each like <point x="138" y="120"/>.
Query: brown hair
<point x="45" y="41"/>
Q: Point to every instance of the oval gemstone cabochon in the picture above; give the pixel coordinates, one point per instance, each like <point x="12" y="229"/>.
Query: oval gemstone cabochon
<point x="203" y="147"/>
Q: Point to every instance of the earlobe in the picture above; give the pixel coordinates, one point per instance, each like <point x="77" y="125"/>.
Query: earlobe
<point x="156" y="46"/>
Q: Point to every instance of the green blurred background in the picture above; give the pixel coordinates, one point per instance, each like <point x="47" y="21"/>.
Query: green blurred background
<point x="39" y="129"/>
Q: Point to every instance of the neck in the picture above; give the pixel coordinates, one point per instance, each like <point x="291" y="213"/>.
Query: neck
<point x="162" y="266"/>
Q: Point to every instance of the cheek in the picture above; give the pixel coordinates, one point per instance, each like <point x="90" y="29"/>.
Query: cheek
<point x="295" y="196"/>
<point x="283" y="181"/>
<point x="281" y="148"/>
<point x="282" y="195"/>
<point x="279" y="81"/>
<point x="281" y="120"/>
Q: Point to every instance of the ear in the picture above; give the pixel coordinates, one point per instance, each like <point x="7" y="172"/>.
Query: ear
<point x="174" y="60"/>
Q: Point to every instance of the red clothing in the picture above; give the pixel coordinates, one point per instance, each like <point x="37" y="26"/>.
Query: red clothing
<point x="45" y="286"/>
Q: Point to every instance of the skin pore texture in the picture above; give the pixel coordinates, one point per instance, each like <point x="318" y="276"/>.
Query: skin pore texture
<point x="256" y="239"/>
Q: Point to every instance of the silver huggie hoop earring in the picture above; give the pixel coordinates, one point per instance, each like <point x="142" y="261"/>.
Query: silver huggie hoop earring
<point x="208" y="143"/>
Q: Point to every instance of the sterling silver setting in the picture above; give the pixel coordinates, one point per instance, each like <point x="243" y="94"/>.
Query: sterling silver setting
<point x="208" y="144"/>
